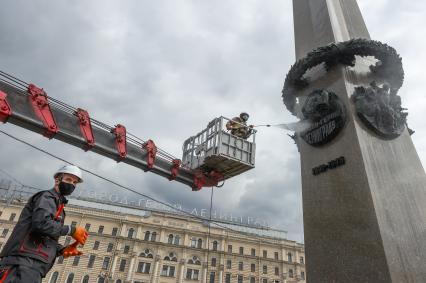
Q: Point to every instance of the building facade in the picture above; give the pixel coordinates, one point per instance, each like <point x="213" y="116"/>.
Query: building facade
<point x="133" y="245"/>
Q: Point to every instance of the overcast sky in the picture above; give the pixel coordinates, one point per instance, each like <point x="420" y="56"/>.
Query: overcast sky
<point x="164" y="69"/>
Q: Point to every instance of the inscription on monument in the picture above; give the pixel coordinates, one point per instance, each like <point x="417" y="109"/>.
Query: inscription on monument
<point x="326" y="114"/>
<point x="330" y="165"/>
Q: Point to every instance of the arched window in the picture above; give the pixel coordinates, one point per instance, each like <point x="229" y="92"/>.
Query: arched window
<point x="85" y="279"/>
<point x="118" y="281"/>
<point x="173" y="239"/>
<point x="171" y="257"/>
<point x="177" y="240"/>
<point x="130" y="234"/>
<point x="101" y="279"/>
<point x="70" y="278"/>
<point x="194" y="260"/>
<point x="215" y="245"/>
<point x="146" y="253"/>
<point x="153" y="236"/>
<point x="54" y="277"/>
<point x="199" y="243"/>
<point x="147" y="234"/>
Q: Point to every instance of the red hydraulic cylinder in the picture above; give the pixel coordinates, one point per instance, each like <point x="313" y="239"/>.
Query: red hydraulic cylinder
<point x="5" y="110"/>
<point x="86" y="127"/>
<point x="151" y="148"/>
<point x="175" y="169"/>
<point x="120" y="140"/>
<point x="38" y="99"/>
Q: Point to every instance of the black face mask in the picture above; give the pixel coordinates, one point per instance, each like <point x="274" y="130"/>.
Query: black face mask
<point x="65" y="188"/>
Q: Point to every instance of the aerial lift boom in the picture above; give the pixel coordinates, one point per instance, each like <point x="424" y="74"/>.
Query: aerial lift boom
<point x="209" y="158"/>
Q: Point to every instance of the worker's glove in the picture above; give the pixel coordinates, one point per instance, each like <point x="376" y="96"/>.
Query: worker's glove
<point x="71" y="250"/>
<point x="80" y="235"/>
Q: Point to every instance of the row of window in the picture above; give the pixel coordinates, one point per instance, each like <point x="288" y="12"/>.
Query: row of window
<point x="70" y="278"/>
<point x="142" y="268"/>
<point x="173" y="257"/>
<point x="195" y="242"/>
<point x="169" y="271"/>
<point x="265" y="254"/>
<point x="102" y="227"/>
<point x="252" y="266"/>
<point x="172" y="239"/>
<point x="149" y="236"/>
<point x="240" y="278"/>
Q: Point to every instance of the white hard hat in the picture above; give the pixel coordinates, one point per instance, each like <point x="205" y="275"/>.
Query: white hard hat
<point x="70" y="169"/>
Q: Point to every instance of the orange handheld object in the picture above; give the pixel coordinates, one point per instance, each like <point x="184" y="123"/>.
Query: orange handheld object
<point x="80" y="235"/>
<point x="71" y="250"/>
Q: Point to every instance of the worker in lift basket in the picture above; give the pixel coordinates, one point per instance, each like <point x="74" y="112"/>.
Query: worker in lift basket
<point x="33" y="246"/>
<point x="238" y="126"/>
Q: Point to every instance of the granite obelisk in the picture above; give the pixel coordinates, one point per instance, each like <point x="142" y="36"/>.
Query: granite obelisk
<point x="364" y="195"/>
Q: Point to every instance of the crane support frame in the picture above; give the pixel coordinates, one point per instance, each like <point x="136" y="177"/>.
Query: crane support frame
<point x="17" y="108"/>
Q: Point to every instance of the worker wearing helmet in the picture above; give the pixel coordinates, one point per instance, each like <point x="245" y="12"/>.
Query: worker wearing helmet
<point x="33" y="246"/>
<point x="238" y="126"/>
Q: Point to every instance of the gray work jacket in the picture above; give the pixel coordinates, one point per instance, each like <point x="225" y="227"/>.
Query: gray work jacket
<point x="36" y="234"/>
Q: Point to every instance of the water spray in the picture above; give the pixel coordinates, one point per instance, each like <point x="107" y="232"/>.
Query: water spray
<point x="299" y="126"/>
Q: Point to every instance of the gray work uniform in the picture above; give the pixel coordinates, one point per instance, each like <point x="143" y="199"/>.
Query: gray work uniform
<point x="33" y="246"/>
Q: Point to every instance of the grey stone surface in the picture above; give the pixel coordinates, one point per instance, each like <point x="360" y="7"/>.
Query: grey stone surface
<point x="364" y="221"/>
